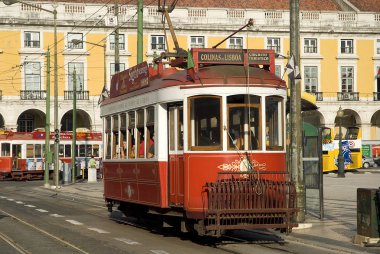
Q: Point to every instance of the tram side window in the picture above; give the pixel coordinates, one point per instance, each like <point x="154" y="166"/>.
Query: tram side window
<point x="123" y="136"/>
<point x="16" y="151"/>
<point x="131" y="135"/>
<point x="171" y="129"/>
<point x="61" y="150"/>
<point x="95" y="150"/>
<point x="115" y="137"/>
<point x="205" y="121"/>
<point x="150" y="148"/>
<point x="274" y="123"/>
<point x="67" y="150"/>
<point x="108" y="137"/>
<point x="244" y="122"/>
<point x="5" y="149"/>
<point x="140" y="133"/>
<point x="38" y="151"/>
<point x="29" y="151"/>
<point x="82" y="151"/>
<point x="180" y="129"/>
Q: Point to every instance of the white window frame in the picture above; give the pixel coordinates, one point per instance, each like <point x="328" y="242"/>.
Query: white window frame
<point x="308" y="48"/>
<point x="33" y="41"/>
<point x="271" y="45"/>
<point x="76" y="36"/>
<point x="345" y="47"/>
<point x="155" y="36"/>
<point x="37" y="74"/>
<point x="341" y="72"/>
<point x="278" y="70"/>
<point x="233" y="43"/>
<point x="197" y="44"/>
<point x="311" y="78"/>
<point x="122" y="42"/>
<point x="377" y="46"/>
<point x="70" y="84"/>
<point x="112" y="68"/>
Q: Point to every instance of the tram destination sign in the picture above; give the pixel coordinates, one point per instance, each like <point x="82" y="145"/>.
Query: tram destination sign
<point x="130" y="80"/>
<point x="221" y="57"/>
<point x="251" y="56"/>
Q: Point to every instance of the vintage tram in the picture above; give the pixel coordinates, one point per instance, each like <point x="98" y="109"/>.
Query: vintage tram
<point x="203" y="147"/>
<point x="22" y="153"/>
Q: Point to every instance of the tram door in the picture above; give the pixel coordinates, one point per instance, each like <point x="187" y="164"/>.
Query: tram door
<point x="176" y="160"/>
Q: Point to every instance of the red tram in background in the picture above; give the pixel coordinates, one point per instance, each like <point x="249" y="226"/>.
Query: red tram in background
<point x="202" y="148"/>
<point x="22" y="153"/>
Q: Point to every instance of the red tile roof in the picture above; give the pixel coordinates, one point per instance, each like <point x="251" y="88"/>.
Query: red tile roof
<point x="315" y="5"/>
<point x="367" y="5"/>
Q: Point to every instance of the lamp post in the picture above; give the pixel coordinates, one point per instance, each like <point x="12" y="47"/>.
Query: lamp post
<point x="56" y="144"/>
<point x="340" y="114"/>
<point x="76" y="42"/>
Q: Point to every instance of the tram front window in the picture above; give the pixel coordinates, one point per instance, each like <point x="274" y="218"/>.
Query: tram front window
<point x="205" y="120"/>
<point x="244" y="122"/>
<point x="274" y="123"/>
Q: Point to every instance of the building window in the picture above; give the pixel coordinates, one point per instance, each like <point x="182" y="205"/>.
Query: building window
<point x="347" y="78"/>
<point x="311" y="79"/>
<point x="310" y="45"/>
<point x="236" y="43"/>
<point x="31" y="39"/>
<point x="25" y="123"/>
<point x="378" y="46"/>
<point x="113" y="68"/>
<point x="197" y="42"/>
<point x="347" y="46"/>
<point x="76" y="37"/>
<point x="274" y="43"/>
<point x="121" y="41"/>
<point x="158" y="42"/>
<point x="278" y="71"/>
<point x="32" y="76"/>
<point x="79" y="73"/>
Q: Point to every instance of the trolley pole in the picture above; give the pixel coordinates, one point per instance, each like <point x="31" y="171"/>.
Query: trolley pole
<point x="295" y="115"/>
<point x="74" y="138"/>
<point x="47" y="123"/>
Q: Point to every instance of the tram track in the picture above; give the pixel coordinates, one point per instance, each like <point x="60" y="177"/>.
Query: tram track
<point x="40" y="230"/>
<point x="17" y="247"/>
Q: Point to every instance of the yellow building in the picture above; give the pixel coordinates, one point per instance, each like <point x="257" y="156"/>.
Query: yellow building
<point x="339" y="48"/>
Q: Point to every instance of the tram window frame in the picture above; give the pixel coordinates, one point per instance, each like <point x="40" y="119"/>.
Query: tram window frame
<point x="245" y="132"/>
<point x="108" y="137"/>
<point x="131" y="151"/>
<point x="201" y="126"/>
<point x="67" y="149"/>
<point x="16" y="150"/>
<point x="123" y="136"/>
<point x="115" y="137"/>
<point x="150" y="149"/>
<point x="180" y="129"/>
<point x="140" y="131"/>
<point x="171" y="129"/>
<point x="5" y="149"/>
<point x="274" y="124"/>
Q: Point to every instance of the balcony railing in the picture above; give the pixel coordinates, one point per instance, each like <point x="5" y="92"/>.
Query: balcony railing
<point x="318" y="95"/>
<point x="32" y="94"/>
<point x="348" y="96"/>
<point x="81" y="95"/>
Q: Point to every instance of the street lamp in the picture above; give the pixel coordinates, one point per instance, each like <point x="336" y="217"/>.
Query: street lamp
<point x="340" y="114"/>
<point x="56" y="144"/>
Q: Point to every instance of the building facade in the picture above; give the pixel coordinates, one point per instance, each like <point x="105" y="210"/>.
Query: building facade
<point x="339" y="49"/>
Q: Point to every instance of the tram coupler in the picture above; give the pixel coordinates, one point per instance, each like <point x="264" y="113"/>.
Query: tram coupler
<point x="109" y="206"/>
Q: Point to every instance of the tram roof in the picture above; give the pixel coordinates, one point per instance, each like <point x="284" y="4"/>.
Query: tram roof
<point x="213" y="75"/>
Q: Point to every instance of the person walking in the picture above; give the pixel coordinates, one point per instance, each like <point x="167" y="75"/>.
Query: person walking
<point x="91" y="175"/>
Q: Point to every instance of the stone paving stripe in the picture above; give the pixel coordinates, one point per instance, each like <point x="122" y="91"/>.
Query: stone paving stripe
<point x="159" y="252"/>
<point x="2" y="197"/>
<point x="19" y="202"/>
<point x="41" y="210"/>
<point x="30" y="205"/>
<point x="128" y="241"/>
<point x="74" y="222"/>
<point x="56" y="215"/>
<point x="10" y="199"/>
<point x="100" y="231"/>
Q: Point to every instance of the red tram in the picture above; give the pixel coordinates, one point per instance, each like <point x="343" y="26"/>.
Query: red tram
<point x="202" y="148"/>
<point x="22" y="153"/>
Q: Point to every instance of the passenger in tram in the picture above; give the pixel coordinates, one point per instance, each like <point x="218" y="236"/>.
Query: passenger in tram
<point x="238" y="139"/>
<point x="151" y="148"/>
<point x="142" y="147"/>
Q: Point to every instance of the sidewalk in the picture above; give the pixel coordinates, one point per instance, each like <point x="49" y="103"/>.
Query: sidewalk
<point x="334" y="232"/>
